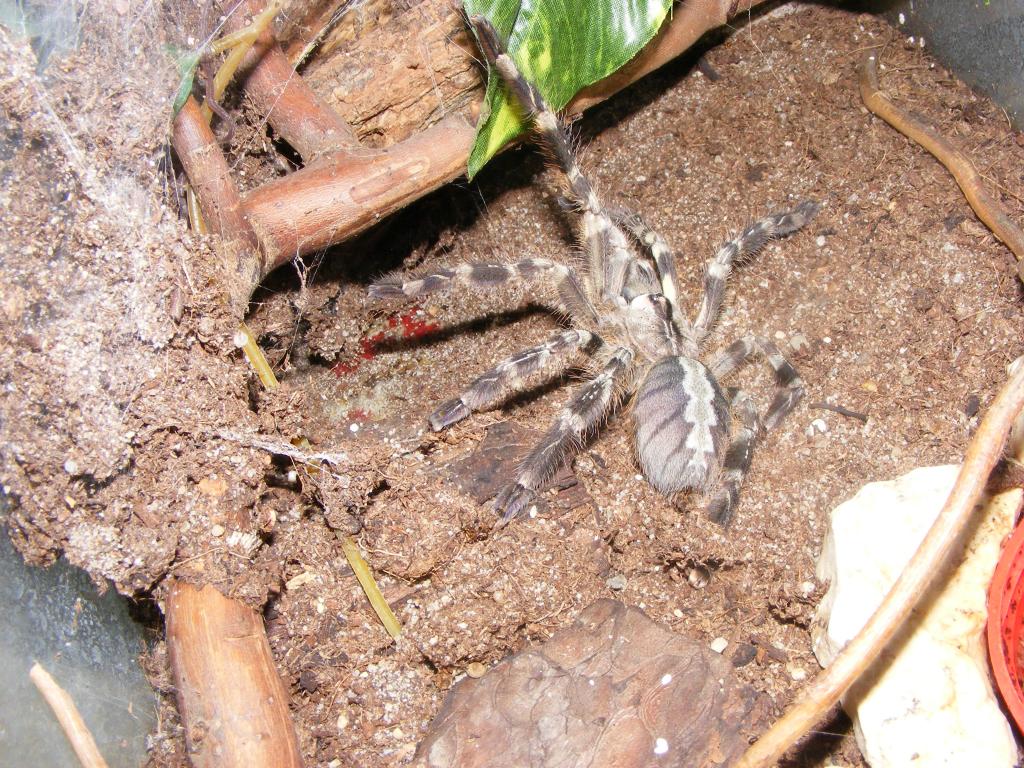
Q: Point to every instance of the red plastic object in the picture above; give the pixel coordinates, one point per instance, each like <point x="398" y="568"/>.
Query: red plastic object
<point x="1005" y="619"/>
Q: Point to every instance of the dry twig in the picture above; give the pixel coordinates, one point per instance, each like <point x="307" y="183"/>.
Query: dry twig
<point x="69" y="718"/>
<point x="982" y="456"/>
<point x="987" y="207"/>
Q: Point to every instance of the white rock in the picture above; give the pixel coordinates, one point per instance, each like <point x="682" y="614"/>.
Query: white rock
<point x="928" y="700"/>
<point x="719" y="644"/>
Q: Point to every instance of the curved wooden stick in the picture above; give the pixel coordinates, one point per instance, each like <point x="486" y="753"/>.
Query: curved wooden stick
<point x="986" y="206"/>
<point x="231" y="698"/>
<point x="311" y="127"/>
<point x="69" y="717"/>
<point x="982" y="455"/>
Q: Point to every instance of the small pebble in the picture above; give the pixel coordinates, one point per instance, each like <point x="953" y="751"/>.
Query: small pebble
<point x="820" y="241"/>
<point x="216" y="530"/>
<point x="476" y="669"/>
<point x="807" y="588"/>
<point x="797" y="673"/>
<point x="698" y="576"/>
<point x="719" y="644"/>
<point x="616" y="582"/>
<point x="71" y="467"/>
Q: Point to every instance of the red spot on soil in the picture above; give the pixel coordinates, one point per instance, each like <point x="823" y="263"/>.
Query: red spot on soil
<point x="357" y="414"/>
<point x="411" y="327"/>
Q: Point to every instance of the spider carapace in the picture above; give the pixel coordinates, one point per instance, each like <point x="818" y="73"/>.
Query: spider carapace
<point x="620" y="302"/>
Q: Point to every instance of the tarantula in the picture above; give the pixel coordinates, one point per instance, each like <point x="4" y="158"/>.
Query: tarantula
<point x="624" y="314"/>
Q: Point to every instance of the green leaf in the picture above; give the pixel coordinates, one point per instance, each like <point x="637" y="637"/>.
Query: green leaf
<point x="187" y="62"/>
<point x="561" y="46"/>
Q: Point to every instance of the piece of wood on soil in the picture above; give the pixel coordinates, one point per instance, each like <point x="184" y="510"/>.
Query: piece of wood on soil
<point x="231" y="698"/>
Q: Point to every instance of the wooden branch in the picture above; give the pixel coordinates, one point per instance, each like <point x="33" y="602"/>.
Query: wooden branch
<point x="69" y="717"/>
<point x="232" y="701"/>
<point x="983" y="454"/>
<point x="341" y="196"/>
<point x="336" y="199"/>
<point x="986" y="206"/>
<point x="208" y="172"/>
<point x="312" y="128"/>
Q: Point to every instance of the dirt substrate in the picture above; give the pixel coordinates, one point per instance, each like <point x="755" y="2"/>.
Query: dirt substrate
<point x="910" y="311"/>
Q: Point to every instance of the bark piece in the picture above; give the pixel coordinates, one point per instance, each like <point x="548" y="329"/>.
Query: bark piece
<point x="612" y="689"/>
<point x="231" y="699"/>
<point x="492" y="465"/>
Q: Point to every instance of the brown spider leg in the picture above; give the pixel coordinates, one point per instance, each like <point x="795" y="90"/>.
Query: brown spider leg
<point x="749" y="242"/>
<point x="584" y="412"/>
<point x="737" y="460"/>
<point x="608" y="252"/>
<point x="789" y="386"/>
<point x="509" y="374"/>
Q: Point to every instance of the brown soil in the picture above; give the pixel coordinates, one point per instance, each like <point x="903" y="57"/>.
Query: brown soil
<point x="139" y="445"/>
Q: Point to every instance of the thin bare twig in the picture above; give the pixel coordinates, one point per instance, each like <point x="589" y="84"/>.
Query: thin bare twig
<point x="69" y="718"/>
<point x="842" y="411"/>
<point x="982" y="455"/>
<point x="988" y="208"/>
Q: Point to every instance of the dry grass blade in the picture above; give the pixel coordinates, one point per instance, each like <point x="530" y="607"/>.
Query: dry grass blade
<point x="982" y="455"/>
<point x="987" y="207"/>
<point x="256" y="357"/>
<point x="362" y="571"/>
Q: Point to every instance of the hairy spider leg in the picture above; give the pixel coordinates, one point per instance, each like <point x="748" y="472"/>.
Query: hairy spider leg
<point x="572" y="299"/>
<point x="749" y="242"/>
<point x="509" y="374"/>
<point x="663" y="257"/>
<point x="789" y="387"/>
<point x="606" y="245"/>
<point x="789" y="392"/>
<point x="737" y="460"/>
<point x="582" y="414"/>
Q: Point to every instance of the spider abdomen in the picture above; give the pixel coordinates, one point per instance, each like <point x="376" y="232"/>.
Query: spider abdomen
<point x="682" y="425"/>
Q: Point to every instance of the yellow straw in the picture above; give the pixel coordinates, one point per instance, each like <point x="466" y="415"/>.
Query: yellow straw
<point x="256" y="358"/>
<point x="373" y="593"/>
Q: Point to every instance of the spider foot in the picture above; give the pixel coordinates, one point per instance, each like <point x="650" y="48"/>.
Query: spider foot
<point x="448" y="413"/>
<point x="513" y="501"/>
<point x="720" y="509"/>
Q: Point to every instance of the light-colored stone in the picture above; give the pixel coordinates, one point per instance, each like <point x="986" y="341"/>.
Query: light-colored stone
<point x="927" y="701"/>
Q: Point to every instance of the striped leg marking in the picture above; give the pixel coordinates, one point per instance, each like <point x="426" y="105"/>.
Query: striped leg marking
<point x="789" y="386"/>
<point x="659" y="251"/>
<point x="507" y="375"/>
<point x="479" y="275"/>
<point x="737" y="461"/>
<point x="580" y="415"/>
<point x="545" y="122"/>
<point x="746" y="245"/>
<point x="608" y="253"/>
